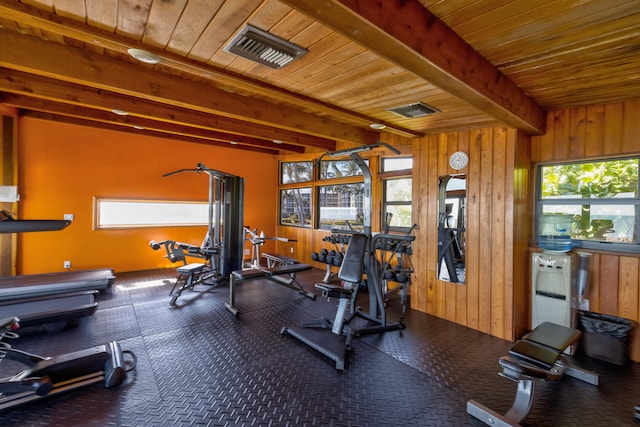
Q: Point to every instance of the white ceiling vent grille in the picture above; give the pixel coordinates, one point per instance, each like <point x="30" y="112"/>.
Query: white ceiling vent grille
<point x="265" y="48"/>
<point x="412" y="111"/>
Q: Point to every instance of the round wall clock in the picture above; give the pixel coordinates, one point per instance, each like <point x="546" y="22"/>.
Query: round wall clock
<point x="459" y="160"/>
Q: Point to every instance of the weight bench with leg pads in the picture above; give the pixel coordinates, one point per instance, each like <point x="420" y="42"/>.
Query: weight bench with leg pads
<point x="48" y="376"/>
<point x="538" y="356"/>
<point x="189" y="275"/>
<point x="284" y="275"/>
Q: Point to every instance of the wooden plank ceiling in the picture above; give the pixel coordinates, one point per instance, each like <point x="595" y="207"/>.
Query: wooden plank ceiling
<point x="477" y="62"/>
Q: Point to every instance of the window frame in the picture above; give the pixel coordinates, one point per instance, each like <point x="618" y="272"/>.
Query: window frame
<point x="385" y="202"/>
<point x="606" y="246"/>
<point x="311" y="204"/>
<point x="355" y="225"/>
<point x="98" y="223"/>
<point x="384" y="176"/>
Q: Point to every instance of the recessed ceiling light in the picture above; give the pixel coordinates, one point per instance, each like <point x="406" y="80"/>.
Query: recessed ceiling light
<point x="138" y="127"/>
<point x="144" y="56"/>
<point x="277" y="141"/>
<point x="120" y="112"/>
<point x="377" y="126"/>
<point x="233" y="143"/>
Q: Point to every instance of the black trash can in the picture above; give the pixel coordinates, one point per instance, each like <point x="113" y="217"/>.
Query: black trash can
<point x="606" y="337"/>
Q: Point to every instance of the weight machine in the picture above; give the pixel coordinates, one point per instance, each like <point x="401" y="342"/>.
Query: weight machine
<point x="360" y="259"/>
<point x="222" y="247"/>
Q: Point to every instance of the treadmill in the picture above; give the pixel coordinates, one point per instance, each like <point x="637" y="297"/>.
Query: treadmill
<point x="53" y="300"/>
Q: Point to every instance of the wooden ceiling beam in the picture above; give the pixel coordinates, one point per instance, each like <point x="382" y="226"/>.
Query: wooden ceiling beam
<point x="407" y="34"/>
<point x="144" y="124"/>
<point x="29" y="85"/>
<point x="38" y="18"/>
<point x="54" y="60"/>
<point x="118" y="128"/>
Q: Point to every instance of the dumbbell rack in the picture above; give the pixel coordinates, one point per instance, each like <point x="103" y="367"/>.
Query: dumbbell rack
<point x="395" y="265"/>
<point x="394" y="255"/>
<point x="332" y="258"/>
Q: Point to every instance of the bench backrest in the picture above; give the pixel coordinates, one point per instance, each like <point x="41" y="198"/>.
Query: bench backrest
<point x="352" y="265"/>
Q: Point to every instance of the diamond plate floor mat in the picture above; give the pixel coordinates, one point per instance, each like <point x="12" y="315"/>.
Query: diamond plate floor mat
<point x="198" y="365"/>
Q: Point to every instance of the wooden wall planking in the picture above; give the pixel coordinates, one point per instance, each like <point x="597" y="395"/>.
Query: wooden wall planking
<point x="591" y="132"/>
<point x="486" y="301"/>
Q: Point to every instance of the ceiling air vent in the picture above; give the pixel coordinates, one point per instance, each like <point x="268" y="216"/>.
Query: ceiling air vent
<point x="412" y="111"/>
<point x="265" y="48"/>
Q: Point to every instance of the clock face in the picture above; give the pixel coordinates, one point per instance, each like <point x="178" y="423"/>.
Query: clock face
<point x="459" y="160"/>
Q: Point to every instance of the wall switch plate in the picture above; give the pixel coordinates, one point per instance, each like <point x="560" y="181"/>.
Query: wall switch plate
<point x="68" y="217"/>
<point x="67" y="264"/>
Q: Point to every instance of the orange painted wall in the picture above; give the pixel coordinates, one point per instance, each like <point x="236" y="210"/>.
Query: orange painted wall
<point x="63" y="167"/>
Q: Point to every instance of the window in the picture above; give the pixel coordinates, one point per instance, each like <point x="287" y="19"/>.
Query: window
<point x="396" y="203"/>
<point x="391" y="164"/>
<point x="602" y="198"/>
<point x="293" y="172"/>
<point x="122" y="213"/>
<point x="396" y="192"/>
<point x="330" y="169"/>
<point x="341" y="207"/>
<point x="295" y="207"/>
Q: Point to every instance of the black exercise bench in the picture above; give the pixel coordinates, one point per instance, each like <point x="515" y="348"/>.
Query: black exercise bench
<point x="277" y="275"/>
<point x="538" y="356"/>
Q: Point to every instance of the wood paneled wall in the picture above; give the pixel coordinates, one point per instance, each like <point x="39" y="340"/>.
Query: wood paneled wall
<point x="493" y="299"/>
<point x="597" y="131"/>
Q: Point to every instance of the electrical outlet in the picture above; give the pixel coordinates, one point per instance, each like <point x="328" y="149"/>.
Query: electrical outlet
<point x="68" y="217"/>
<point x="67" y="264"/>
<point x="246" y="251"/>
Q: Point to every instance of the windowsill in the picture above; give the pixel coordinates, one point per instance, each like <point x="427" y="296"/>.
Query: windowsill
<point x="535" y="248"/>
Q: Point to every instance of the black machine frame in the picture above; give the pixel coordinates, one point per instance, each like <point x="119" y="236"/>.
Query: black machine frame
<point x="223" y="245"/>
<point x="336" y="345"/>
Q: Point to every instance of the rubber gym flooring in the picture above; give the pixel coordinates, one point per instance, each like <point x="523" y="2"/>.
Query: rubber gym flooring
<point x="198" y="365"/>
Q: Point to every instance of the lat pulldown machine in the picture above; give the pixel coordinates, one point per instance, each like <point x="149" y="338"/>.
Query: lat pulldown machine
<point x="222" y="247"/>
<point x="360" y="257"/>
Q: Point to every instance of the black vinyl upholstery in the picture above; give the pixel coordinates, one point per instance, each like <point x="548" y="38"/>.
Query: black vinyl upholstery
<point x="352" y="265"/>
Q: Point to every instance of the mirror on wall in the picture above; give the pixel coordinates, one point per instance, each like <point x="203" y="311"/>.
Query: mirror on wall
<point x="452" y="206"/>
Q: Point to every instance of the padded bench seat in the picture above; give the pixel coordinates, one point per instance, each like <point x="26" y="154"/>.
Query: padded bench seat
<point x="330" y="290"/>
<point x="538" y="356"/>
<point x="192" y="268"/>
